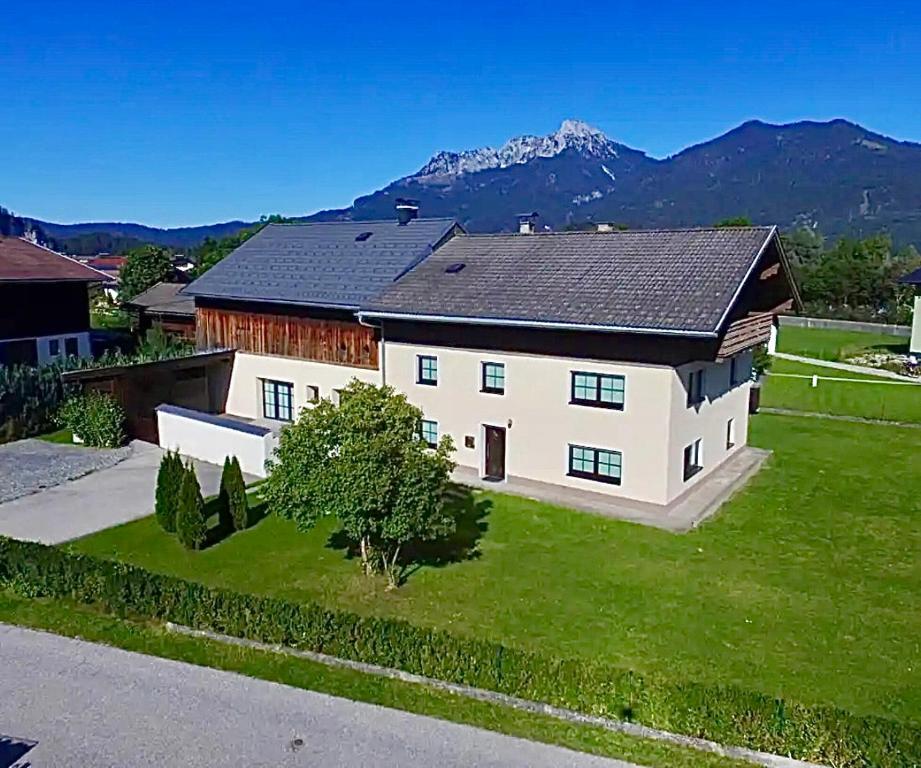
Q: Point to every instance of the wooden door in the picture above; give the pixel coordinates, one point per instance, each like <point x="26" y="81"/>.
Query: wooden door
<point x="495" y="453"/>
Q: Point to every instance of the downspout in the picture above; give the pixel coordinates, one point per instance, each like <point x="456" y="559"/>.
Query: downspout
<point x="383" y="346"/>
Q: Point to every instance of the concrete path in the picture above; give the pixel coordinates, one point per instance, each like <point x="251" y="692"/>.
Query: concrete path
<point x="71" y="703"/>
<point x="99" y="500"/>
<point x="684" y="513"/>
<point x="866" y="370"/>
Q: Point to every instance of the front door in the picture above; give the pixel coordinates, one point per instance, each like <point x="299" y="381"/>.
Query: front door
<point x="495" y="453"/>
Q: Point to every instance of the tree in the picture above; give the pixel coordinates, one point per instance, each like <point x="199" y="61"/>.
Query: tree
<point x="364" y="462"/>
<point x="190" y="513"/>
<point x="233" y="506"/>
<point x="212" y="251"/>
<point x="169" y="483"/>
<point x="735" y="221"/>
<point x="143" y="268"/>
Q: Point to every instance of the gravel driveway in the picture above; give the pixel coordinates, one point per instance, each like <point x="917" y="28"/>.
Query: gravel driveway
<point x="29" y="466"/>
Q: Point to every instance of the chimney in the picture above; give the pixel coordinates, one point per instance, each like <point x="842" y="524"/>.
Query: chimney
<point x="604" y="226"/>
<point x="527" y="223"/>
<point x="407" y="210"/>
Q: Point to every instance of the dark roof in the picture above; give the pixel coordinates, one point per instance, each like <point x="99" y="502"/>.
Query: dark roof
<point x="657" y="281"/>
<point x="912" y="278"/>
<point x="329" y="264"/>
<point x="164" y="299"/>
<point x="21" y="260"/>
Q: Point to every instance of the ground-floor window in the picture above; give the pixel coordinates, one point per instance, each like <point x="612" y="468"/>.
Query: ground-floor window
<point x="277" y="400"/>
<point x="71" y="348"/>
<point x="595" y="464"/>
<point x="428" y="431"/>
<point x="693" y="459"/>
<point x="54" y="347"/>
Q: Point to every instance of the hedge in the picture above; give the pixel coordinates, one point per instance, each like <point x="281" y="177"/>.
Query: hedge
<point x="725" y="714"/>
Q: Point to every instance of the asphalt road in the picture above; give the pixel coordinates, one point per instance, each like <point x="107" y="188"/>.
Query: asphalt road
<point x="65" y="702"/>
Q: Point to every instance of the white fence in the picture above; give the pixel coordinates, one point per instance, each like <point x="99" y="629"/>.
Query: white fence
<point x="212" y="438"/>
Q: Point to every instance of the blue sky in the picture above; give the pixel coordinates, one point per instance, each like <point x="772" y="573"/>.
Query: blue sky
<point x="174" y="113"/>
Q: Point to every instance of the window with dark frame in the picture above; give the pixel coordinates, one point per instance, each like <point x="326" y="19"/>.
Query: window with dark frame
<point x="277" y="400"/>
<point x="493" y="378"/>
<point x="54" y="347"/>
<point x="692" y="459"/>
<point x="696" y="387"/>
<point x="598" y="390"/>
<point x="427" y="370"/>
<point x="730" y="434"/>
<point x="70" y="346"/>
<point x="313" y="394"/>
<point x="428" y="431"/>
<point x="599" y="464"/>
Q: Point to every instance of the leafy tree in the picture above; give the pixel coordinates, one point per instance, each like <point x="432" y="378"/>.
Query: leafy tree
<point x="169" y="483"/>
<point x="736" y="221"/>
<point x="190" y="513"/>
<point x="143" y="268"/>
<point x="211" y="251"/>
<point x="363" y="462"/>
<point x="232" y="505"/>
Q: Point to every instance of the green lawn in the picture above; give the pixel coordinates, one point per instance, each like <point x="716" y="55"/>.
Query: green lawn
<point x="878" y="399"/>
<point x="80" y="621"/>
<point x="64" y="436"/>
<point x="807" y="585"/>
<point x="835" y="345"/>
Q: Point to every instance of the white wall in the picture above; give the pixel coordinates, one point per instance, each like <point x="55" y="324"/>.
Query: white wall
<point x="915" y="343"/>
<point x="213" y="443"/>
<point x="43" y="354"/>
<point x="245" y="395"/>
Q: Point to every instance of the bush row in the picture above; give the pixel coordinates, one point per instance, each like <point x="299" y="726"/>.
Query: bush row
<point x="724" y="714"/>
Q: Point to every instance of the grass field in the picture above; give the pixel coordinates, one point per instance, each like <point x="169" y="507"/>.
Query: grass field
<point x="879" y="398"/>
<point x="835" y="345"/>
<point x="807" y="584"/>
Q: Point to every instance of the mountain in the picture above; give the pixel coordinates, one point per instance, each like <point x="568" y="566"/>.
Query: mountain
<point x="836" y="176"/>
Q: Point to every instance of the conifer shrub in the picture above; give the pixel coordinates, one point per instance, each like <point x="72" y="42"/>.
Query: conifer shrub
<point x="191" y="528"/>
<point x="169" y="483"/>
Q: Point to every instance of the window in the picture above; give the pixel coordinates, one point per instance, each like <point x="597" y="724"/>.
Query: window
<point x="696" y="387"/>
<point x="54" y="347"/>
<point x="313" y="394"/>
<point x="70" y="346"/>
<point x="428" y="431"/>
<point x="277" y="400"/>
<point x="737" y="372"/>
<point x="693" y="460"/>
<point x="595" y="464"/>
<point x="730" y="433"/>
<point x="598" y="390"/>
<point x="427" y="370"/>
<point x="493" y="378"/>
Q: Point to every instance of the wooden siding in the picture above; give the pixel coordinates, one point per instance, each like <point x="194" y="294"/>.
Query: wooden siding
<point x="745" y="333"/>
<point x="321" y="340"/>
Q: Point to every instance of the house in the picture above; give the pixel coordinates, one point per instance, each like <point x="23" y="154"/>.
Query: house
<point x="914" y="345"/>
<point x="111" y="267"/>
<point x="614" y="362"/>
<point x="45" y="301"/>
<point x="163" y="305"/>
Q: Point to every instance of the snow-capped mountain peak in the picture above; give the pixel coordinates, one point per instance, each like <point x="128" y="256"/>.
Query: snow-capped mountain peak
<point x="572" y="134"/>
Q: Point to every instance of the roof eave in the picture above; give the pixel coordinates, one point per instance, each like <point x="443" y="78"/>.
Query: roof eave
<point x="286" y="302"/>
<point x="540" y="324"/>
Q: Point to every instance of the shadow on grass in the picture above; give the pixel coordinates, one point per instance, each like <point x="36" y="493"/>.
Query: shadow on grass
<point x="470" y="514"/>
<point x="895" y="348"/>
<point x="219" y="530"/>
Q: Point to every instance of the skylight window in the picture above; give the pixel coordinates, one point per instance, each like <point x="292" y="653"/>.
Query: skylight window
<point x="453" y="269"/>
<point x="362" y="237"/>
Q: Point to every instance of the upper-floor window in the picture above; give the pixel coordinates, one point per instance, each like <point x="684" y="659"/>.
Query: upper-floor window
<point x="737" y="372"/>
<point x="595" y="464"/>
<point x="493" y="378"/>
<point x="696" y="387"/>
<point x="693" y="459"/>
<point x="277" y="400"/>
<point x="428" y="431"/>
<point x="427" y="370"/>
<point x="600" y="390"/>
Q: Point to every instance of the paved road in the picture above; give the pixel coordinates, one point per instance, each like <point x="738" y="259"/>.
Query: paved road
<point x="99" y="500"/>
<point x="83" y="704"/>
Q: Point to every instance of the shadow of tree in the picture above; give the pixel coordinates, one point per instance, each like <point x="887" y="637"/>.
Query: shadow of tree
<point x="219" y="530"/>
<point x="470" y="514"/>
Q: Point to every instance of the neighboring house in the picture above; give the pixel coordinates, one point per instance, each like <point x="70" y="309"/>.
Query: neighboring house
<point x="46" y="313"/>
<point x="914" y="279"/>
<point x="164" y="306"/>
<point x="617" y="362"/>
<point x="111" y="267"/>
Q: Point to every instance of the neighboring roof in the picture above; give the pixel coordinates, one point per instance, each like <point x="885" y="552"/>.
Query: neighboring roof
<point x="648" y="281"/>
<point x="164" y="299"/>
<point x="22" y="260"/>
<point x="912" y="278"/>
<point x="330" y="264"/>
<point x="107" y="262"/>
